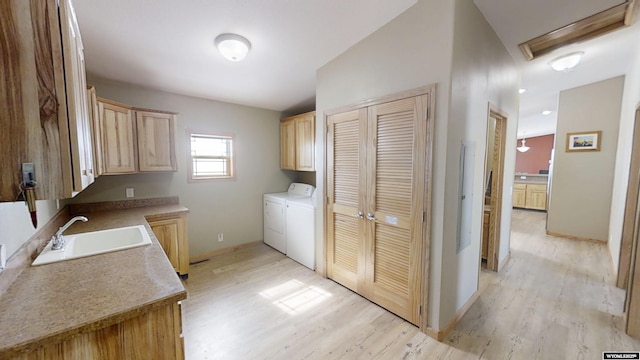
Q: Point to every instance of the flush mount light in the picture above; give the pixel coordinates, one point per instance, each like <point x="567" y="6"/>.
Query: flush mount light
<point x="522" y="91"/>
<point x="566" y="62"/>
<point x="232" y="46"/>
<point x="546" y="112"/>
<point x="523" y="147"/>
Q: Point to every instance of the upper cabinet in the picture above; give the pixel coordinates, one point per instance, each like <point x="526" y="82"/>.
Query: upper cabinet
<point x="156" y="140"/>
<point x="135" y="140"/>
<point x="77" y="103"/>
<point x="116" y="137"/>
<point x="43" y="99"/>
<point x="297" y="142"/>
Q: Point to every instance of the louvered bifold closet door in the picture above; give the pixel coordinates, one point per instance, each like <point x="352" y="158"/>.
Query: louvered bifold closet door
<point x="345" y="229"/>
<point x="395" y="183"/>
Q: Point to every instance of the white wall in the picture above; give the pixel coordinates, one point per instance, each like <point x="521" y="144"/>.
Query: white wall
<point x="412" y="50"/>
<point x="230" y="207"/>
<point x="483" y="73"/>
<point x="15" y="221"/>
<point x="582" y="182"/>
<point x="630" y="101"/>
<point x="416" y="49"/>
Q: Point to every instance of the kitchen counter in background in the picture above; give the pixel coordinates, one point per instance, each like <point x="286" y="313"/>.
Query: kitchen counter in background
<point x="531" y="178"/>
<point x="49" y="303"/>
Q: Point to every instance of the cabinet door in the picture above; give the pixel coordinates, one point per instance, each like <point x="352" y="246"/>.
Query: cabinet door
<point x="537" y="197"/>
<point x="168" y="232"/>
<point x="288" y="144"/>
<point x="171" y="232"/>
<point x="305" y="142"/>
<point x="156" y="141"/>
<point x="77" y="104"/>
<point x="94" y="119"/>
<point x="519" y="197"/>
<point x="118" y="147"/>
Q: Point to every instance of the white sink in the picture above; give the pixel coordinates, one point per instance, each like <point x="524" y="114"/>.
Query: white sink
<point x="94" y="243"/>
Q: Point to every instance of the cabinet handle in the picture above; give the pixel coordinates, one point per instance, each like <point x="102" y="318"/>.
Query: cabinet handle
<point x="371" y="216"/>
<point x="84" y="172"/>
<point x="360" y="215"/>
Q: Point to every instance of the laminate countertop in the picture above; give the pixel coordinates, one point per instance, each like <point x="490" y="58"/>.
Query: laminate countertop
<point x="52" y="302"/>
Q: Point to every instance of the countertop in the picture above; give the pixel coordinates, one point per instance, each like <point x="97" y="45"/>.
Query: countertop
<point x="51" y="302"/>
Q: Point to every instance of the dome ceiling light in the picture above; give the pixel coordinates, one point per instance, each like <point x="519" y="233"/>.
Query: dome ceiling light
<point x="566" y="62"/>
<point x="232" y="46"/>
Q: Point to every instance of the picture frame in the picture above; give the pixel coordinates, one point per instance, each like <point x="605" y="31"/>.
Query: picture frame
<point x="584" y="141"/>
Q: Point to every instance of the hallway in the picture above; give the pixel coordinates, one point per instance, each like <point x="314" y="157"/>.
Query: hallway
<point x="553" y="300"/>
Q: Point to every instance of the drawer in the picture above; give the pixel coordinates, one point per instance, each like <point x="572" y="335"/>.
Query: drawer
<point x="520" y="186"/>
<point x="537" y="187"/>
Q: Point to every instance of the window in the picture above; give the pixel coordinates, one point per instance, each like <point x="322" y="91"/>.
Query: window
<point x="210" y="156"/>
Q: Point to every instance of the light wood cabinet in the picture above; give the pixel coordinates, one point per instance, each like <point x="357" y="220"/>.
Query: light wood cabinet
<point x="94" y="116"/>
<point x="156" y="132"/>
<point x="77" y="101"/>
<point x="155" y="334"/>
<point x="43" y="102"/>
<point x="519" y="195"/>
<point x="171" y="232"/>
<point x="117" y="137"/>
<point x="135" y="140"/>
<point x="530" y="196"/>
<point x="297" y="142"/>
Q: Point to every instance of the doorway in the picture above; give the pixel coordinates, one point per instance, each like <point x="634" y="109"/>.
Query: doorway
<point x="493" y="185"/>
<point x="629" y="266"/>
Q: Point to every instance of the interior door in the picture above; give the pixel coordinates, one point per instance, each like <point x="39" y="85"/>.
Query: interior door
<point x="396" y="132"/>
<point x="345" y="191"/>
<point x="375" y="186"/>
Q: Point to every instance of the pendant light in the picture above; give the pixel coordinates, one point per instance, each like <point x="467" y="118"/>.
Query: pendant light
<point x="523" y="147"/>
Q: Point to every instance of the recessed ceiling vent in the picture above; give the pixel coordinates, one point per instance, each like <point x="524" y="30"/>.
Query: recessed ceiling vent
<point x="588" y="28"/>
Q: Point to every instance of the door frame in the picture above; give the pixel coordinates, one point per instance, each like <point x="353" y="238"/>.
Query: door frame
<point x="497" y="184"/>
<point x="429" y="91"/>
<point x="631" y="202"/>
<point x="631" y="229"/>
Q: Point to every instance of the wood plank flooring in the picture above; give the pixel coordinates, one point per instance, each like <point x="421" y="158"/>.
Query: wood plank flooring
<point x="555" y="299"/>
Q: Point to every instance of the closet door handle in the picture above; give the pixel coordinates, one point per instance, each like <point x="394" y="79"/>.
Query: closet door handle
<point x="371" y="216"/>
<point x="360" y="214"/>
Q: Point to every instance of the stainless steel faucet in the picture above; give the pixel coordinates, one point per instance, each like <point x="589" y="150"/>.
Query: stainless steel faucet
<point x="57" y="240"/>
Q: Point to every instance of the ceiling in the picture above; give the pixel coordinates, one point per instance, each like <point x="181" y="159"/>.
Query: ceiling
<point x="168" y="45"/>
<point x="516" y="21"/>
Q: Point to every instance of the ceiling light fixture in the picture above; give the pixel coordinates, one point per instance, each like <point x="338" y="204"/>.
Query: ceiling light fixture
<point x="566" y="62"/>
<point x="546" y="112"/>
<point x="522" y="90"/>
<point x="523" y="147"/>
<point x="232" y="46"/>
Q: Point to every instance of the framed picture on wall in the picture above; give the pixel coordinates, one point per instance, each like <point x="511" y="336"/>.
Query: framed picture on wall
<point x="584" y="141"/>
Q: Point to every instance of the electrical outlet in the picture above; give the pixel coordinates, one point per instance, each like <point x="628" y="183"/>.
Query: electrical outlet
<point x="129" y="192"/>
<point x="220" y="237"/>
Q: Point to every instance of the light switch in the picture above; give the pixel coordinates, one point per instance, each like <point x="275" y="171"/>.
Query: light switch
<point x="129" y="192"/>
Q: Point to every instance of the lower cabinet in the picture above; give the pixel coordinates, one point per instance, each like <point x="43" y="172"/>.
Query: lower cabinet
<point x="155" y="334"/>
<point x="530" y="196"/>
<point x="171" y="232"/>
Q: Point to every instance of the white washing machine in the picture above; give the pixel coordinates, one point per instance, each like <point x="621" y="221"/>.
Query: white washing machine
<point x="291" y="232"/>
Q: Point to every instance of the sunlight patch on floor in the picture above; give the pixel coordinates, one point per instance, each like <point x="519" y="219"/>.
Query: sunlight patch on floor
<point x="294" y="297"/>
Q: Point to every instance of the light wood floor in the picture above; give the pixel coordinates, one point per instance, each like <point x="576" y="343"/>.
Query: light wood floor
<point x="555" y="299"/>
